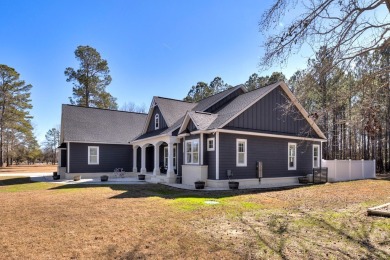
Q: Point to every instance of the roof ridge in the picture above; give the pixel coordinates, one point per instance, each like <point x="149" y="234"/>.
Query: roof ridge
<point x="176" y="100"/>
<point x="240" y="85"/>
<point x="201" y="112"/>
<point x="106" y="109"/>
<point x="273" y="84"/>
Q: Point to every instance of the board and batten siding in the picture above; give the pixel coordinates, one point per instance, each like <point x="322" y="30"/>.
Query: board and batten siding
<point x="191" y="126"/>
<point x="162" y="125"/>
<point x="273" y="152"/>
<point x="210" y="155"/>
<point x="223" y="102"/>
<point x="111" y="156"/>
<point x="267" y="115"/>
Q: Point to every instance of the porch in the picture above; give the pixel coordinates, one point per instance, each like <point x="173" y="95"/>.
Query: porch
<point x="127" y="177"/>
<point x="157" y="158"/>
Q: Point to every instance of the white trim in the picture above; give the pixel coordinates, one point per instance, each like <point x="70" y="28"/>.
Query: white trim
<point x="201" y="149"/>
<point x="238" y="141"/>
<point x="156" y="121"/>
<point x="292" y="98"/>
<point x="89" y="155"/>
<point x="295" y="156"/>
<point x="68" y="159"/>
<point x="213" y="142"/>
<point x="192" y="153"/>
<point x="92" y="142"/>
<point x="258" y="134"/>
<point x="165" y="156"/>
<point x="185" y="122"/>
<point x="217" y="156"/>
<point x="175" y="146"/>
<point x="163" y="137"/>
<point x="318" y="155"/>
<point x="152" y="105"/>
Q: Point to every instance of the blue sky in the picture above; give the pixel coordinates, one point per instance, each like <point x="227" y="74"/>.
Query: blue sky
<point x="153" y="48"/>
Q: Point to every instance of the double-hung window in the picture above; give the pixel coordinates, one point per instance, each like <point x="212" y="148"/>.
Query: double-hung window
<point x="166" y="156"/>
<point x="156" y="121"/>
<point x="210" y="144"/>
<point x="292" y="156"/>
<point x="192" y="151"/>
<point x="93" y="155"/>
<point x="316" y="156"/>
<point x="241" y="150"/>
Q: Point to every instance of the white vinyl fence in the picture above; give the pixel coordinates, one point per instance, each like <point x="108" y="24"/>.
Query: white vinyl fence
<point x="347" y="170"/>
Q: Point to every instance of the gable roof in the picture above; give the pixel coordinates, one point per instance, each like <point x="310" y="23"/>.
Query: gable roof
<point x="82" y="124"/>
<point x="201" y="120"/>
<point x="211" y="100"/>
<point x="245" y="101"/>
<point x="171" y="109"/>
<point x="175" y="110"/>
<point x="242" y="102"/>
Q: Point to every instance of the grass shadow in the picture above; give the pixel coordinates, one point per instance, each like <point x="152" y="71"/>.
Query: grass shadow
<point x="167" y="192"/>
<point x="8" y="181"/>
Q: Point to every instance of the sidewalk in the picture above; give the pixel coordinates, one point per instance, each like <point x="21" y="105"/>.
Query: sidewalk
<point x="48" y="177"/>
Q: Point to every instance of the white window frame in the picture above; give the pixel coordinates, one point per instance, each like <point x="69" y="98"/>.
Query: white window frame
<point x="191" y="152"/>
<point x="294" y="167"/>
<point x="156" y="121"/>
<point x="239" y="141"/>
<point x="318" y="155"/>
<point x="89" y="155"/>
<point x="165" y="156"/>
<point x="208" y="144"/>
<point x="174" y="156"/>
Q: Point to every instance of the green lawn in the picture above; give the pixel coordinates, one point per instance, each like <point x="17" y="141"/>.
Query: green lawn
<point x="46" y="221"/>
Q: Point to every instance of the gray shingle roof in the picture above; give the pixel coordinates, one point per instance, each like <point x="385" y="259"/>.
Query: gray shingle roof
<point x="202" y="120"/>
<point x="81" y="124"/>
<point x="209" y="101"/>
<point x="172" y="110"/>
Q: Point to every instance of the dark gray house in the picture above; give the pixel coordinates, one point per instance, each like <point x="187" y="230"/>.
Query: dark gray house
<point x="250" y="134"/>
<point x="96" y="140"/>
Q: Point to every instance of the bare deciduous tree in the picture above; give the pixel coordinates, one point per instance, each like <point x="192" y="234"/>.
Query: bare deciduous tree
<point x="348" y="28"/>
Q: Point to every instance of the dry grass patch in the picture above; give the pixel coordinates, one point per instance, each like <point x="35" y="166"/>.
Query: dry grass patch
<point x="154" y="221"/>
<point x="41" y="168"/>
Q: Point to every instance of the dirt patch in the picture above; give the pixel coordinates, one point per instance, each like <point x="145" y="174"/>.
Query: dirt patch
<point x="158" y="222"/>
<point x="41" y="168"/>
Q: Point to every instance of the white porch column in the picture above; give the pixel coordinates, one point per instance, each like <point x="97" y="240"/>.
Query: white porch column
<point x="170" y="171"/>
<point x="135" y="159"/>
<point x="200" y="149"/>
<point x="156" y="169"/>
<point x="143" y="159"/>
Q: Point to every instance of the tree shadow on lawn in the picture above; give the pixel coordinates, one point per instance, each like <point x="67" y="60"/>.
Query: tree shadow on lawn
<point x="8" y="181"/>
<point x="167" y="192"/>
<point x="283" y="231"/>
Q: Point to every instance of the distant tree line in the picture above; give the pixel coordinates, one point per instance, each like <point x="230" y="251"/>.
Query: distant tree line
<point x="351" y="106"/>
<point x="202" y="90"/>
<point x="346" y="86"/>
<point x="17" y="140"/>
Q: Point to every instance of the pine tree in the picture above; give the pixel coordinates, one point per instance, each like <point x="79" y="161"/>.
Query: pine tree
<point x="90" y="80"/>
<point x="15" y="104"/>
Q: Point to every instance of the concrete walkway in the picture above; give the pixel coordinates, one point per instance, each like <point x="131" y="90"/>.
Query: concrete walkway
<point x="257" y="187"/>
<point x="48" y="177"/>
